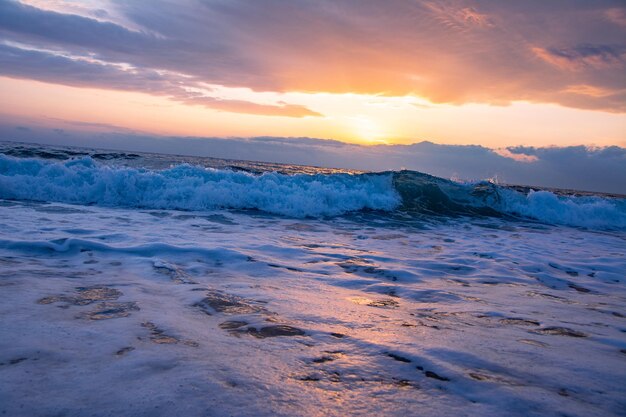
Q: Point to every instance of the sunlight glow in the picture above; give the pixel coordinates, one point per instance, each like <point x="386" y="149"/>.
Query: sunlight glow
<point x="356" y="118"/>
<point x="367" y="130"/>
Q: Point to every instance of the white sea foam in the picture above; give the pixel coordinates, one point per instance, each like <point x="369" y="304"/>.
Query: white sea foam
<point x="589" y="211"/>
<point x="107" y="311"/>
<point x="83" y="181"/>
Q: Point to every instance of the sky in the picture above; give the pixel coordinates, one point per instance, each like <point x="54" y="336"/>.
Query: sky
<point x="500" y="75"/>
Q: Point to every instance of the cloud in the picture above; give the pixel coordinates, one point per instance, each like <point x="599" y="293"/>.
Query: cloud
<point x="587" y="90"/>
<point x="241" y="106"/>
<point x="103" y="127"/>
<point x="616" y="15"/>
<point x="457" y="17"/>
<point x="516" y="156"/>
<point x="88" y="72"/>
<point x="583" y="57"/>
<point x="453" y="51"/>
<point x="575" y="167"/>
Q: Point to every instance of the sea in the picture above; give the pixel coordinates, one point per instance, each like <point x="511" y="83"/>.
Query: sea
<point x="139" y="284"/>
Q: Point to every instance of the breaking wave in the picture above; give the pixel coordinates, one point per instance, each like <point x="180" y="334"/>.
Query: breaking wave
<point x="186" y="187"/>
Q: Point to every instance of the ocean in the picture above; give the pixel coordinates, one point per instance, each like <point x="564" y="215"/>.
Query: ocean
<point x="141" y="284"/>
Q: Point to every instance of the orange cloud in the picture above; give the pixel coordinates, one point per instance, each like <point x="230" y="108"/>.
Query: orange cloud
<point x="247" y="107"/>
<point x="519" y="157"/>
<point x="452" y="51"/>
<point x="588" y="90"/>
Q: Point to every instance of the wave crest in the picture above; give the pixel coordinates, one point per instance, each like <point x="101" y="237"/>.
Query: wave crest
<point x="185" y="187"/>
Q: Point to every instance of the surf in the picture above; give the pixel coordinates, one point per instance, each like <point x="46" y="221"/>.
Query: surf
<point x="85" y="180"/>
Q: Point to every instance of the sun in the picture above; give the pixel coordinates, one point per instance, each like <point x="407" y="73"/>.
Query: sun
<point x="367" y="130"/>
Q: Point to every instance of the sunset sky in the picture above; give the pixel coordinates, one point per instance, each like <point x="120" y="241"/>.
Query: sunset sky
<point x="490" y="73"/>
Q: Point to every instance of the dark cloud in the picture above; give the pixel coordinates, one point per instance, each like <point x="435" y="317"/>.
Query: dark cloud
<point x="53" y="28"/>
<point x="44" y="66"/>
<point x="584" y="57"/>
<point x="567" y="52"/>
